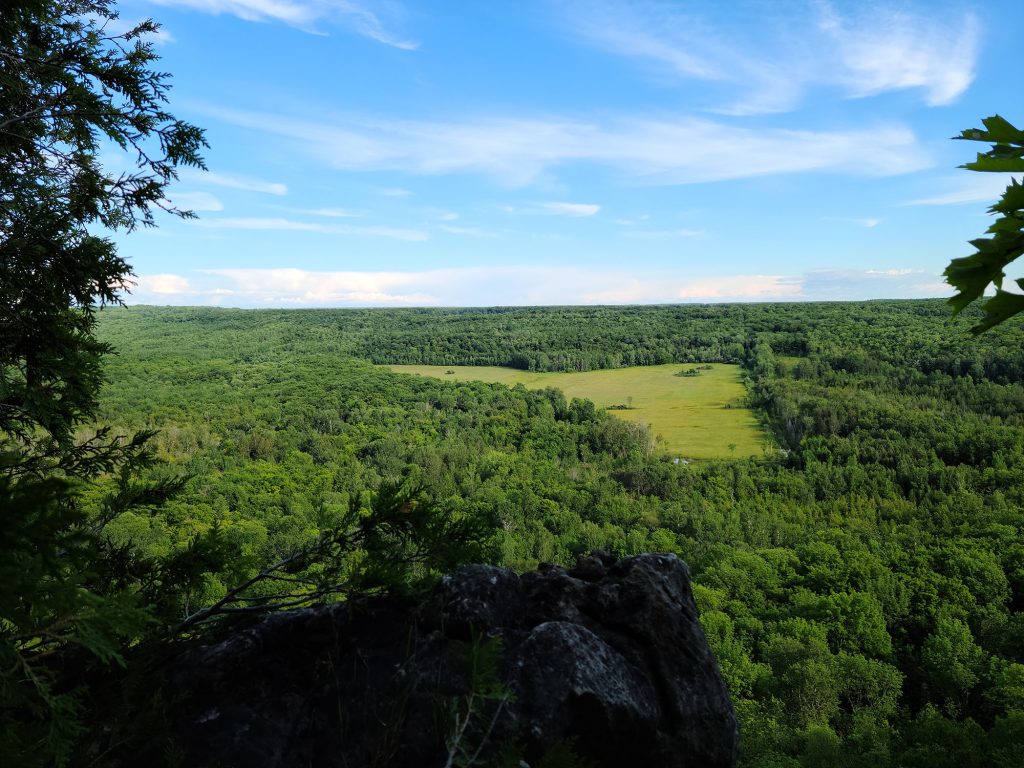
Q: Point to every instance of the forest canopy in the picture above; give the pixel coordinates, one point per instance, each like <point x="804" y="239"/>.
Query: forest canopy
<point x="862" y="590"/>
<point x="862" y="587"/>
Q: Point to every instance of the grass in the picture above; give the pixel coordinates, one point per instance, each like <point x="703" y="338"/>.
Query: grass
<point x="687" y="414"/>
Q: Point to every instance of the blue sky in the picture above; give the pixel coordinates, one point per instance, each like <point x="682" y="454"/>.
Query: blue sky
<point x="400" y="153"/>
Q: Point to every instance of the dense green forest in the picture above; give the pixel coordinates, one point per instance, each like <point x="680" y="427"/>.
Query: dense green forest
<point x="862" y="590"/>
<point x="545" y="339"/>
<point x="861" y="586"/>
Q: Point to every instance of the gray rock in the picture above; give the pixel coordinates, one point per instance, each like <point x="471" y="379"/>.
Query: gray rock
<point x="608" y="657"/>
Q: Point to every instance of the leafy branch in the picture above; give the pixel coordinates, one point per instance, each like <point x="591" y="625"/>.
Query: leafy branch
<point x="971" y="275"/>
<point x="400" y="542"/>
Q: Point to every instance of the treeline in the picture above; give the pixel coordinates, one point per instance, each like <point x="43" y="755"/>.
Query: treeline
<point x="591" y="338"/>
<point x="862" y="592"/>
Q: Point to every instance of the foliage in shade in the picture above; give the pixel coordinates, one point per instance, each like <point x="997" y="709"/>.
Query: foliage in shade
<point x="70" y="90"/>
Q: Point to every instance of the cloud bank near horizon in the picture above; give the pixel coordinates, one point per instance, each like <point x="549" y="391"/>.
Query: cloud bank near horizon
<point x="517" y="286"/>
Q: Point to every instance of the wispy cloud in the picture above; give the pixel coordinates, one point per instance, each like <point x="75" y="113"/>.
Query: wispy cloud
<point x="974" y="188"/>
<point x="521" y="285"/>
<point x="330" y="213"/>
<point x="888" y="49"/>
<point x="307" y="15"/>
<point x="632" y="221"/>
<point x="365" y="22"/>
<point x="685" y="150"/>
<point x="575" y="210"/>
<point x="277" y="224"/>
<point x="768" y="66"/>
<point x="245" y="183"/>
<point x="280" y="224"/>
<point x="681" y="45"/>
<point x="570" y="210"/>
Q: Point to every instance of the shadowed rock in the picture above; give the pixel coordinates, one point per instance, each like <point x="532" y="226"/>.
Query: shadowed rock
<point x="607" y="658"/>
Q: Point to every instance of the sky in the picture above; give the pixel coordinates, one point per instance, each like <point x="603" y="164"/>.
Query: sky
<point x="526" y="152"/>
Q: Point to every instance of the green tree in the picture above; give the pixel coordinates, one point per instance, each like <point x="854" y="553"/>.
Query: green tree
<point x="70" y="89"/>
<point x="951" y="662"/>
<point x="973" y="274"/>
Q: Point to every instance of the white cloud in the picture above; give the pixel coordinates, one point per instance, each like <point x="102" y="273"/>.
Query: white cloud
<point x="975" y="188"/>
<point x="162" y="284"/>
<point x="279" y="224"/>
<point x="575" y="210"/>
<point x="196" y="201"/>
<point x="768" y="64"/>
<point x="245" y="183"/>
<point x="684" y="150"/>
<point x="295" y="286"/>
<point x="899" y="283"/>
<point x="394" y="192"/>
<point x="269" y="223"/>
<point x="365" y="22"/>
<point x="755" y="287"/>
<point x="523" y="285"/>
<point x="307" y="15"/>
<point x="886" y="49"/>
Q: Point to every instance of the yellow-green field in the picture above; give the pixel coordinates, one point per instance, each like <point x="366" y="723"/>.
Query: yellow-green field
<point x="687" y="414"/>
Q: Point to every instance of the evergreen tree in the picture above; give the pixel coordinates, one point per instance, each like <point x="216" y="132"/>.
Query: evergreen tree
<point x="71" y="87"/>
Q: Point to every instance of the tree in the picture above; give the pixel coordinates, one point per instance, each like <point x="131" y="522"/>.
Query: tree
<point x="973" y="274"/>
<point x="71" y="87"/>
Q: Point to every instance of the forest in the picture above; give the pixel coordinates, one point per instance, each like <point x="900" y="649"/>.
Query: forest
<point x="861" y="587"/>
<point x="169" y="474"/>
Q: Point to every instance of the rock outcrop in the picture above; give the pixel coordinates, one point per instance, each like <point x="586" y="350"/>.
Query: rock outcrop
<point x="606" y="660"/>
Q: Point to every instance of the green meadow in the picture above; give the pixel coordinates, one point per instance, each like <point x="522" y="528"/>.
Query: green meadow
<point x="695" y="417"/>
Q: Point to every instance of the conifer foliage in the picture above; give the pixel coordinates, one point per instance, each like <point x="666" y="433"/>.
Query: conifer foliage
<point x="74" y="84"/>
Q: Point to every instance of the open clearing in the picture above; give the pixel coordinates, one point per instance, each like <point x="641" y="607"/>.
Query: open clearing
<point x="687" y="414"/>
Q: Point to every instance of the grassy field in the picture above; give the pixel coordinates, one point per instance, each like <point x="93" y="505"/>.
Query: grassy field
<point x="687" y="414"/>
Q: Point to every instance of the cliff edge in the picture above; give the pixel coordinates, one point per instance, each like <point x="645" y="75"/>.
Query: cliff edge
<point x="606" y="663"/>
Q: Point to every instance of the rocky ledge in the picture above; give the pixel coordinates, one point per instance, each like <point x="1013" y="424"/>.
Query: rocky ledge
<point x="605" y="663"/>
